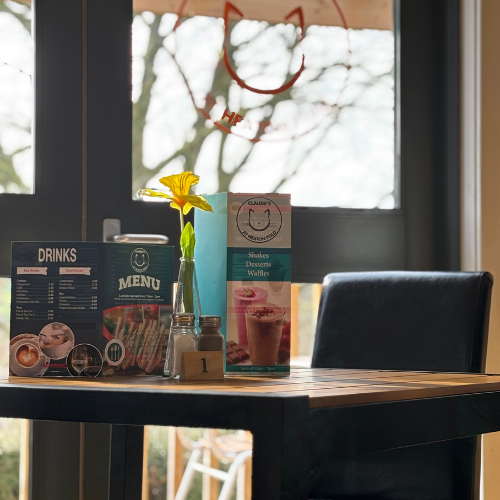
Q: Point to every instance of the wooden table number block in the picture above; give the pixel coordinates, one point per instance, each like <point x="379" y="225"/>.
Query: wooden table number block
<point x="202" y="365"/>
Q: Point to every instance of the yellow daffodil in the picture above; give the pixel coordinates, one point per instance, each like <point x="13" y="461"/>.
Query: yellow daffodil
<point x="180" y="199"/>
<point x="179" y="186"/>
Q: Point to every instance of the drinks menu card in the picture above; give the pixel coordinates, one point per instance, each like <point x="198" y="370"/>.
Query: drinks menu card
<point x="89" y="309"/>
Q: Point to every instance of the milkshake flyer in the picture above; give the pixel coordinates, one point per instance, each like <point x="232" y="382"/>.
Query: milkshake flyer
<point x="244" y="276"/>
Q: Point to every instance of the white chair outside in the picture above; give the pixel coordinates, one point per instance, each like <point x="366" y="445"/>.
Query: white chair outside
<point x="235" y="449"/>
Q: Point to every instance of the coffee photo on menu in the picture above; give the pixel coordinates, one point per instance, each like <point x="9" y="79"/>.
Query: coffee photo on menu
<point x="25" y="357"/>
<point x="56" y="340"/>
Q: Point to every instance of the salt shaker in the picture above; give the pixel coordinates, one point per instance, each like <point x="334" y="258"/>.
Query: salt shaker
<point x="210" y="337"/>
<point x="182" y="338"/>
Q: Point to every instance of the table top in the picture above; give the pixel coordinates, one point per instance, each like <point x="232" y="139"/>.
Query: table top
<point x="324" y="387"/>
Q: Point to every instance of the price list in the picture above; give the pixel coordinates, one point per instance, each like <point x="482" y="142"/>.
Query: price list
<point x="41" y="299"/>
<point x="34" y="299"/>
<point x="56" y="281"/>
<point x="78" y="294"/>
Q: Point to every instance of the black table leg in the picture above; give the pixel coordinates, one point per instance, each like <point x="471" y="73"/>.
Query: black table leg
<point x="127" y="448"/>
<point x="281" y="460"/>
<point x="97" y="454"/>
<point x="54" y="460"/>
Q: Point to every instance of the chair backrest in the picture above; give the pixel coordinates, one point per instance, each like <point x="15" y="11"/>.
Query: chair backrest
<point x="436" y="321"/>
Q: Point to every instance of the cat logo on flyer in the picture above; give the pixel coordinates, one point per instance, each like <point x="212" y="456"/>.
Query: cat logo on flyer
<point x="259" y="220"/>
<point x="139" y="260"/>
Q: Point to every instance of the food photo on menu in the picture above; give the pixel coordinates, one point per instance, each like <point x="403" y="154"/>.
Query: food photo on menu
<point x="138" y="339"/>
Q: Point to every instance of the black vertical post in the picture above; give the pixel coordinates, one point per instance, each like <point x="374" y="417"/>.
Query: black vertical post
<point x="54" y="446"/>
<point x="58" y="117"/>
<point x="97" y="461"/>
<point x="428" y="92"/>
<point x="54" y="460"/>
<point x="281" y="459"/>
<point x="127" y="449"/>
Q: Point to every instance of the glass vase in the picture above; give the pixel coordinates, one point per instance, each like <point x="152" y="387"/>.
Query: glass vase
<point x="187" y="296"/>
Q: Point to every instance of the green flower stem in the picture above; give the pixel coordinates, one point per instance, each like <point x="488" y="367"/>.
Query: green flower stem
<point x="187" y="286"/>
<point x="187" y="276"/>
<point x="182" y="220"/>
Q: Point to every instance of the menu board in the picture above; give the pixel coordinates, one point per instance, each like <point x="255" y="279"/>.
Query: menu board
<point x="244" y="253"/>
<point x="94" y="301"/>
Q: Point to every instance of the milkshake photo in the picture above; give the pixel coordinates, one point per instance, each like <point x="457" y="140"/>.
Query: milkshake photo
<point x="258" y="328"/>
<point x="243" y="297"/>
<point x="264" y="327"/>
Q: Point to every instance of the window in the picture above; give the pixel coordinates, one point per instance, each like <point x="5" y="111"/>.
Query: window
<point x="16" y="97"/>
<point x="328" y="140"/>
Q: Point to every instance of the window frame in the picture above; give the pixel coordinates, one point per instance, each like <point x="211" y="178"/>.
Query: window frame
<point x="53" y="211"/>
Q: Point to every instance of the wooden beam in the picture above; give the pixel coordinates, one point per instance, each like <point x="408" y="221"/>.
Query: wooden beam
<point x="248" y="479"/>
<point x="294" y="323"/>
<point x="24" y="460"/>
<point x="489" y="202"/>
<point x="175" y="467"/>
<point x="372" y="14"/>
<point x="210" y="485"/>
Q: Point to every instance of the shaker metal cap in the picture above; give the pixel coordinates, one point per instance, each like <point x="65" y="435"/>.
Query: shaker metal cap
<point x="215" y="321"/>
<point x="183" y="319"/>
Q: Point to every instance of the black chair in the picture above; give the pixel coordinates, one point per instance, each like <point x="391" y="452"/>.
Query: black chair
<point x="431" y="321"/>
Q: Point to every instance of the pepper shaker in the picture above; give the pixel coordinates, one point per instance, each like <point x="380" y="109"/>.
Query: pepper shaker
<point x="211" y="339"/>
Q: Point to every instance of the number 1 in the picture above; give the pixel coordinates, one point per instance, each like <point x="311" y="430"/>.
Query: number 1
<point x="204" y="365"/>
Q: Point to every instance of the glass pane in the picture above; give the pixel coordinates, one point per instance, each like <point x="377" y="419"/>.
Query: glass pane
<point x="316" y="113"/>
<point x="16" y="97"/>
<point x="304" y="315"/>
<point x="13" y="432"/>
<point x="4" y="326"/>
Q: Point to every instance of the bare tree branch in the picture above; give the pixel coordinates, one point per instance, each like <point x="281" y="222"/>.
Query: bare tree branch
<point x="225" y="178"/>
<point x="220" y="87"/>
<point x="140" y="108"/>
<point x="305" y="154"/>
<point x="142" y="178"/>
<point x="8" y="174"/>
<point x="190" y="150"/>
<point x="26" y="22"/>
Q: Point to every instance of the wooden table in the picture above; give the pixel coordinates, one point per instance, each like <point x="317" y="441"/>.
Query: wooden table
<point x="313" y="415"/>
